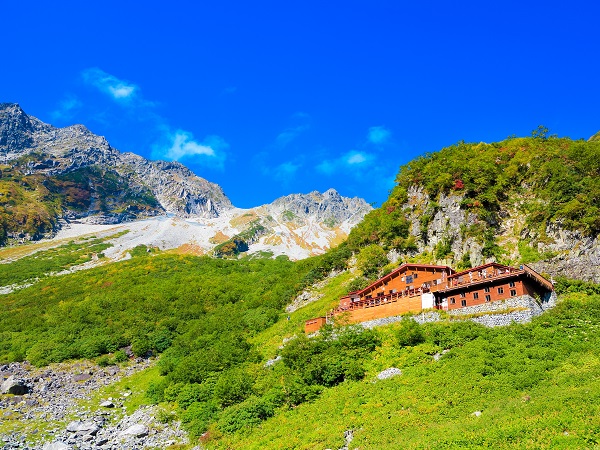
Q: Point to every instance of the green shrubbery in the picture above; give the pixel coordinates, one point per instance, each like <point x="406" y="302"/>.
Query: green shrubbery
<point x="409" y="334"/>
<point x="530" y="382"/>
<point x="41" y="264"/>
<point x="240" y="397"/>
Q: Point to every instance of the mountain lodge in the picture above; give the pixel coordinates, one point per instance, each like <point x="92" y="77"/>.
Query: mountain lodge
<point x="416" y="287"/>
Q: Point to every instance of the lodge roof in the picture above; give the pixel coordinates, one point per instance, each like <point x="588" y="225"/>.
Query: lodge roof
<point x="402" y="268"/>
<point x="512" y="273"/>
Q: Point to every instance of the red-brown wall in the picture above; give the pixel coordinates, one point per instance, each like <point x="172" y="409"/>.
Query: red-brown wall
<point x="398" y="281"/>
<point x="401" y="306"/>
<point x="313" y="325"/>
<point x="494" y="294"/>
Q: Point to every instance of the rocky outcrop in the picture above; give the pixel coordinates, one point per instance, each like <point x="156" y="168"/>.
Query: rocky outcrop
<point x="563" y="252"/>
<point x="177" y="188"/>
<point x="329" y="207"/>
<point x="16" y="129"/>
<point x="577" y="255"/>
<point x="14" y="386"/>
<point x="438" y="222"/>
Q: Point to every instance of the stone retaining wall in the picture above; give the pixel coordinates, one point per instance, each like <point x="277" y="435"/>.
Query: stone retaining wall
<point x="488" y="314"/>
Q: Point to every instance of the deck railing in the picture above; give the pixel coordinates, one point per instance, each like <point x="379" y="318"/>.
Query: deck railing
<point x="473" y="277"/>
<point x="381" y="300"/>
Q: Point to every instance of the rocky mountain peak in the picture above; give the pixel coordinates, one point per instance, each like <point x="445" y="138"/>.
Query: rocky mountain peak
<point x="16" y="128"/>
<point x="329" y="206"/>
<point x="64" y="150"/>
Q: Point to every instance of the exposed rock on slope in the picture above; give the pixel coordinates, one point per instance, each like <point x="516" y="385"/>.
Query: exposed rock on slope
<point x="177" y="188"/>
<point x="561" y="252"/>
<point x="329" y="207"/>
<point x="57" y="151"/>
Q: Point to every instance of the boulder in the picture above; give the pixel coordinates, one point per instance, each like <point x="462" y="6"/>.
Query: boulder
<point x="82" y="377"/>
<point x="82" y="428"/>
<point x="137" y="430"/>
<point x="107" y="404"/>
<point x="14" y="386"/>
<point x="58" y="445"/>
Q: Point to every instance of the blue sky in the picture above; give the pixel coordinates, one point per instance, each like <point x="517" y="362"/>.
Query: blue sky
<point x="270" y="98"/>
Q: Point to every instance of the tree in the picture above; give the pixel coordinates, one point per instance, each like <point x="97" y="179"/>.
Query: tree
<point x="541" y="132"/>
<point x="371" y="259"/>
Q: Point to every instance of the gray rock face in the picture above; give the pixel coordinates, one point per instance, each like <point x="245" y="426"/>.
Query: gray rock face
<point x="178" y="190"/>
<point x="16" y="129"/>
<point x="446" y="221"/>
<point x="577" y="255"/>
<point x="329" y="206"/>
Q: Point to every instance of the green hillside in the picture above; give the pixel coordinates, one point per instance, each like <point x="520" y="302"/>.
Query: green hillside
<point x="218" y="325"/>
<point x="217" y="322"/>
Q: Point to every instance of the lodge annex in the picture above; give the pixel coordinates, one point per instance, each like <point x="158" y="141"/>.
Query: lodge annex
<point x="416" y="287"/>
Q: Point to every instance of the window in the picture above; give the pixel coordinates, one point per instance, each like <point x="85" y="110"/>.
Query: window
<point x="488" y="298"/>
<point x="452" y="300"/>
<point x="500" y="290"/>
<point x="513" y="292"/>
<point x="487" y="289"/>
<point x="415" y="275"/>
<point x="511" y="284"/>
<point x="463" y="303"/>
<point x="475" y="295"/>
<point x="463" y="295"/>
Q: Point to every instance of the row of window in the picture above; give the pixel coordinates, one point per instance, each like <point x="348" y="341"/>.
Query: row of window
<point x="488" y="297"/>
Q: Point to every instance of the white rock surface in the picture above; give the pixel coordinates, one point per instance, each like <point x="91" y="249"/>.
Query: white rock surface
<point x="389" y="373"/>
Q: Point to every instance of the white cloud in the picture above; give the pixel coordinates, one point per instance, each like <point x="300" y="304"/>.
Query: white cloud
<point x="356" y="158"/>
<point x="172" y="144"/>
<point x="289" y="134"/>
<point x="300" y="121"/>
<point x="326" y="167"/>
<point x="119" y="90"/>
<point x="349" y="162"/>
<point x="286" y="170"/>
<point x="182" y="145"/>
<point x="378" y="135"/>
<point x="66" y="108"/>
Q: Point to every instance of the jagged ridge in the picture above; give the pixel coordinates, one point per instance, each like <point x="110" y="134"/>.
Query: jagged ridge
<point x="178" y="190"/>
